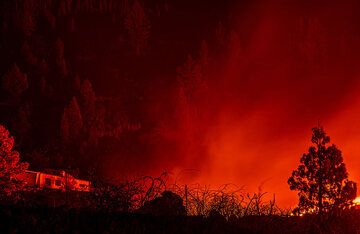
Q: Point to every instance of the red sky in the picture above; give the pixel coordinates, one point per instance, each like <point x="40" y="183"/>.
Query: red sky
<point x="298" y="66"/>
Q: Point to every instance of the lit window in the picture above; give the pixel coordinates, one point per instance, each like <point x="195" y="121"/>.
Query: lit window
<point x="58" y="182"/>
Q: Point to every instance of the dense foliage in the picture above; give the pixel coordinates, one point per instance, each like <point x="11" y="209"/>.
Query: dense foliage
<point x="321" y="178"/>
<point x="10" y="166"/>
<point x="80" y="80"/>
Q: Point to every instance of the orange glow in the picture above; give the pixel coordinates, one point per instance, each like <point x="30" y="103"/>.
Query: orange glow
<point x="269" y="105"/>
<point x="356" y="201"/>
<point x="254" y="122"/>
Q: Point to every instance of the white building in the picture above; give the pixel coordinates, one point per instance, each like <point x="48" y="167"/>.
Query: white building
<point x="55" y="180"/>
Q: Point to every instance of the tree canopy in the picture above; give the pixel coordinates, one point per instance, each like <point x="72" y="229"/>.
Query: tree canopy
<point x="321" y="179"/>
<point x="10" y="165"/>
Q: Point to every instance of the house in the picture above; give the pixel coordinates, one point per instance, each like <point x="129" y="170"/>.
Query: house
<point x="54" y="179"/>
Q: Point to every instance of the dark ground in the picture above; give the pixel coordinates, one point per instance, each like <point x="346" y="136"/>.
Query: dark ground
<point x="63" y="220"/>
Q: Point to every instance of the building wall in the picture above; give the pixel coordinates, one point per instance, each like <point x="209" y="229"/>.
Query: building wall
<point x="49" y="181"/>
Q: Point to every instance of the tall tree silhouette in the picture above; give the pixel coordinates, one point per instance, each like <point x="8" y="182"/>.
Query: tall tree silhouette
<point x="26" y="17"/>
<point x="10" y="165"/>
<point x="87" y="103"/>
<point x="60" y="58"/>
<point x="21" y="124"/>
<point x="27" y="54"/>
<point x="137" y="25"/>
<point x="71" y="123"/>
<point x="14" y="81"/>
<point x="89" y="113"/>
<point x="321" y="178"/>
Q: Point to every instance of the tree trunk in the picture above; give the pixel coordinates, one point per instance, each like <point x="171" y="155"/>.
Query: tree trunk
<point x="320" y="194"/>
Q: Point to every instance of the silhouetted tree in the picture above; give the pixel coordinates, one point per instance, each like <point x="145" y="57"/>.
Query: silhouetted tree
<point x="190" y="77"/>
<point x="14" y="81"/>
<point x="59" y="57"/>
<point x="89" y="113"/>
<point x="22" y="125"/>
<point x="87" y="102"/>
<point x="71" y="123"/>
<point x="65" y="128"/>
<point x="26" y="17"/>
<point x="28" y="54"/>
<point x="138" y="26"/>
<point x="10" y="165"/>
<point x="321" y="178"/>
<point x="49" y="18"/>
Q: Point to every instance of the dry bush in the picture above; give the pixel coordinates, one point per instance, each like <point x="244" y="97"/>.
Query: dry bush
<point x="130" y="195"/>
<point x="227" y="200"/>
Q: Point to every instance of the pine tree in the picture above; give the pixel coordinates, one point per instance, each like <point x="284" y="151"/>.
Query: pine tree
<point x="137" y="25"/>
<point x="22" y="124"/>
<point x="87" y="102"/>
<point x="71" y="123"/>
<point x="59" y="57"/>
<point x="14" y="81"/>
<point x="10" y="165"/>
<point x="190" y="77"/>
<point x="27" y="17"/>
<point x="65" y="128"/>
<point x="321" y="178"/>
<point x="28" y="55"/>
